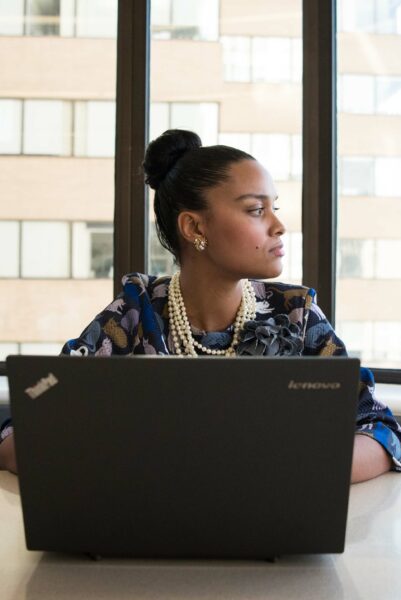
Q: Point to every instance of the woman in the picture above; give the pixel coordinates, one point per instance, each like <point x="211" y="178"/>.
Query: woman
<point x="216" y="212"/>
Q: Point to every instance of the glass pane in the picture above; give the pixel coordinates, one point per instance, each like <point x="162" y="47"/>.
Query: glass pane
<point x="7" y="349"/>
<point x="42" y="17"/>
<point x="94" y="128"/>
<point x="57" y="130"/>
<point x="9" y="249"/>
<point x="37" y="239"/>
<point x="47" y="127"/>
<point x="10" y="126"/>
<point x="92" y="250"/>
<point x="11" y="17"/>
<point x="96" y="18"/>
<point x="242" y="87"/>
<point x="369" y="210"/>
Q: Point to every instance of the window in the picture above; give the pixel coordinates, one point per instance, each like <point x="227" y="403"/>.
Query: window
<point x="7" y="348"/>
<point x="270" y="59"/>
<point x="389" y="95"/>
<point x="357" y="94"/>
<point x="388" y="176"/>
<point x="96" y="18"/>
<point x="356" y="258"/>
<point x="388" y="264"/>
<point x="357" y="176"/>
<point x="45" y="249"/>
<point x="66" y="18"/>
<point x="204" y="114"/>
<point x="10" y="126"/>
<point x="11" y="12"/>
<point x="47" y="127"/>
<point x="180" y="19"/>
<point x="42" y="17"/>
<point x="236" y="58"/>
<point x="9" y="248"/>
<point x="183" y="115"/>
<point x="369" y="244"/>
<point x="92" y="250"/>
<point x="94" y="128"/>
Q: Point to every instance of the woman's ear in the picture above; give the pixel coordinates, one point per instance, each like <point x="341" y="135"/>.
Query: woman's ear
<point x="190" y="225"/>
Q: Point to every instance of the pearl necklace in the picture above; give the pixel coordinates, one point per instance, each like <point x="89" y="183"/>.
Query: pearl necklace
<point x="184" y="342"/>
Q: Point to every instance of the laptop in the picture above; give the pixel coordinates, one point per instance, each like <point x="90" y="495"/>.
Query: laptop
<point x="165" y="457"/>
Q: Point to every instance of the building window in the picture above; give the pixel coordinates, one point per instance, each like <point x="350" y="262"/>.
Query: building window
<point x="92" y="255"/>
<point x="10" y="126"/>
<point x="236" y="58"/>
<point x="389" y="95"/>
<point x="369" y="94"/>
<point x="201" y="117"/>
<point x="180" y="19"/>
<point x="47" y="127"/>
<point x="45" y="249"/>
<point x="269" y="59"/>
<point x="388" y="264"/>
<point x="48" y="124"/>
<point x="65" y="18"/>
<point x="7" y="348"/>
<point x="11" y="17"/>
<point x="96" y="18"/>
<point x="94" y="132"/>
<point x="373" y="16"/>
<point x="161" y="261"/>
<point x="388" y="176"/>
<point x="357" y="94"/>
<point x="355" y="258"/>
<point x="357" y="177"/>
<point x="9" y="248"/>
<point x="42" y="17"/>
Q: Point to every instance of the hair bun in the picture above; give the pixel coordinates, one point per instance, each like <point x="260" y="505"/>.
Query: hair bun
<point x="162" y="154"/>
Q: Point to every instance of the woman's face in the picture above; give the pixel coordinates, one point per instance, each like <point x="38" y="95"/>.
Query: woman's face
<point x="241" y="226"/>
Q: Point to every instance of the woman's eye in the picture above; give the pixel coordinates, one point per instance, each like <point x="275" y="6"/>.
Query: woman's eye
<point x="257" y="211"/>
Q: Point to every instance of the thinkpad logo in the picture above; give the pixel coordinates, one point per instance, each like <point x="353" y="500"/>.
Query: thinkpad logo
<point x="42" y="386"/>
<point x="314" y="385"/>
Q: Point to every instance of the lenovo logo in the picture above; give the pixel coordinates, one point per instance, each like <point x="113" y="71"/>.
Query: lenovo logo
<point x="314" y="385"/>
<point x="42" y="386"/>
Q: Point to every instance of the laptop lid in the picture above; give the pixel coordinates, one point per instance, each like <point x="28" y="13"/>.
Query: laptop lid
<point x="171" y="457"/>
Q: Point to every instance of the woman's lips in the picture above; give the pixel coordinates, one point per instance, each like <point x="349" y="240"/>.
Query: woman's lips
<point x="278" y="250"/>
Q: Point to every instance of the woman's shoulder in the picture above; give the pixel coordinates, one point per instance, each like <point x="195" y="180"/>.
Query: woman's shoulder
<point x="144" y="283"/>
<point x="268" y="289"/>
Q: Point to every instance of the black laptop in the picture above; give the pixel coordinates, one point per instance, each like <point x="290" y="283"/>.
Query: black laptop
<point x="165" y="457"/>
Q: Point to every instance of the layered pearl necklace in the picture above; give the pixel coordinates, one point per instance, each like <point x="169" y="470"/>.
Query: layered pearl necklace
<point x="184" y="342"/>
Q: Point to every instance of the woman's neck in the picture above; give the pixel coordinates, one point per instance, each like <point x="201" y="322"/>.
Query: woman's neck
<point x="211" y="301"/>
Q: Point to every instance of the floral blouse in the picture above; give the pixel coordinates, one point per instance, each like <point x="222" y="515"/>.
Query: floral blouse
<point x="136" y="322"/>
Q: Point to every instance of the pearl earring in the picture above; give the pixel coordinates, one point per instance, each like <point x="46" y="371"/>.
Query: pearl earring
<point x="200" y="243"/>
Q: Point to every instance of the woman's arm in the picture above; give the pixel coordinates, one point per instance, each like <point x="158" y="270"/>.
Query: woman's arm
<point x="370" y="459"/>
<point x="7" y="454"/>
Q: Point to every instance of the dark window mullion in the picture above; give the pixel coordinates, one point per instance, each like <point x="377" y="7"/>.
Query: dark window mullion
<point x="319" y="195"/>
<point x="132" y="116"/>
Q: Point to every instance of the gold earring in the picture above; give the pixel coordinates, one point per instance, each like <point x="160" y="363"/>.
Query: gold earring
<point x="200" y="243"/>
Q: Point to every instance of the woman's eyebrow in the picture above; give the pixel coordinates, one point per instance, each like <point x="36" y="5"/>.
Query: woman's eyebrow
<point x="257" y="196"/>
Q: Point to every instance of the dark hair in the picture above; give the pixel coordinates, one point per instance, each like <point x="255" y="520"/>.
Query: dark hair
<point x="180" y="169"/>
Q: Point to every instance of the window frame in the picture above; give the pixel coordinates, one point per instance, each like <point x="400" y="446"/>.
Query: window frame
<point x="319" y="179"/>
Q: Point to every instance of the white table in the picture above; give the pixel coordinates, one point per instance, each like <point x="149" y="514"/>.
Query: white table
<point x="370" y="567"/>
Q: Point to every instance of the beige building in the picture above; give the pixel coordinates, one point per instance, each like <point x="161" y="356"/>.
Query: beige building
<point x="232" y="71"/>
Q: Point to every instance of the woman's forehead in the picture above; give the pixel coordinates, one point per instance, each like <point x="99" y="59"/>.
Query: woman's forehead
<point x="250" y="177"/>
